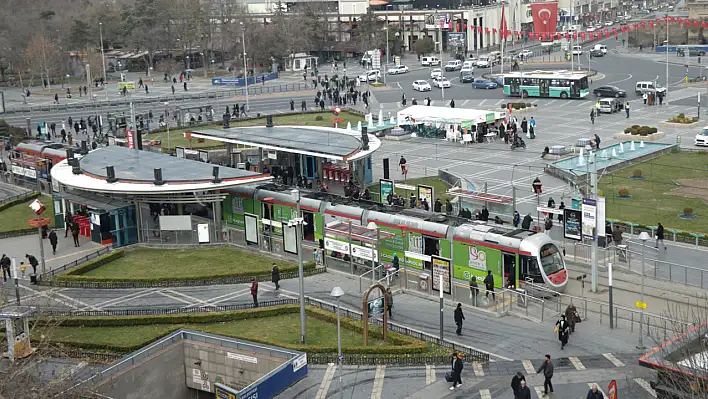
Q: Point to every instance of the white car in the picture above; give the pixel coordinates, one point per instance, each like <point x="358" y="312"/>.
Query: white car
<point x="435" y="73"/>
<point x="577" y="50"/>
<point x="370" y="76"/>
<point x="524" y="54"/>
<point x="398" y="69"/>
<point x="442" y="82"/>
<point x="591" y="29"/>
<point x="483" y="63"/>
<point x="609" y="23"/>
<point x="421" y="85"/>
<point x="702" y="137"/>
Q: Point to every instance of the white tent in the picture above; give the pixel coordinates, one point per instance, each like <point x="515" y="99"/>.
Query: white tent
<point x="446" y="115"/>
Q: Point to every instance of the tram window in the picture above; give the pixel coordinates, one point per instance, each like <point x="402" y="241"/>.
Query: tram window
<point x="551" y="259"/>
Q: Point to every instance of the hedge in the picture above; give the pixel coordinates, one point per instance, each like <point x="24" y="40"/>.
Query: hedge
<point x="19" y="201"/>
<point x="76" y="274"/>
<point x="398" y="344"/>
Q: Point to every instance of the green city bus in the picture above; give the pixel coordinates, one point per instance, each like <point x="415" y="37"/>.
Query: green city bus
<point x="557" y="84"/>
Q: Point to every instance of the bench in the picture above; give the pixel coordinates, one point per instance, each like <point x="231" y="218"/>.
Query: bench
<point x="674" y="232"/>
<point x="697" y="236"/>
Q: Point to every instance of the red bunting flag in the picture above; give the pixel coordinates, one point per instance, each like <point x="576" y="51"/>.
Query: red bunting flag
<point x="575" y="35"/>
<point x="672" y="19"/>
<point x="567" y="35"/>
<point x="494" y="31"/>
<point x="705" y="24"/>
<point x="696" y="23"/>
<point x="688" y="22"/>
<point x="582" y="35"/>
<point x="680" y="20"/>
<point x="607" y="33"/>
<point x="486" y="30"/>
<point x="651" y="24"/>
<point x="644" y="26"/>
<point x="614" y="31"/>
<point x="636" y="26"/>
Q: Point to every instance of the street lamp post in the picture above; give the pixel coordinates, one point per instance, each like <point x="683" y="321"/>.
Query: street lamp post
<point x="167" y="124"/>
<point x="189" y="65"/>
<point x="204" y="64"/>
<point x="245" y="76"/>
<point x="103" y="59"/>
<point x="387" y="56"/>
<point x="644" y="237"/>
<point x="337" y="292"/>
<point x="442" y="70"/>
<point x="301" y="281"/>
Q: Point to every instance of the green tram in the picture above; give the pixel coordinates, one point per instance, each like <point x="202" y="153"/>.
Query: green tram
<point x="424" y="242"/>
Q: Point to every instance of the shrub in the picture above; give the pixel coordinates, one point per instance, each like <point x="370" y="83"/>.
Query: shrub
<point x="522" y="105"/>
<point x="319" y="118"/>
<point x="623" y="192"/>
<point x="628" y="130"/>
<point x="653" y="130"/>
<point x="529" y="105"/>
<point x="637" y="173"/>
<point x="688" y="211"/>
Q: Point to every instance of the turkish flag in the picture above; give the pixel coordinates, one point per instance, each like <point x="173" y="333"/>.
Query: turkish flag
<point x="486" y="30"/>
<point x="582" y="35"/>
<point x="705" y="24"/>
<point x="688" y="22"/>
<point x="680" y="20"/>
<point x="636" y="26"/>
<point x="545" y="16"/>
<point x="494" y="31"/>
<point x="567" y="35"/>
<point x="651" y="24"/>
<point x="614" y="31"/>
<point x="607" y="33"/>
<point x="672" y="19"/>
<point x="575" y="35"/>
<point x="644" y="26"/>
<point x="696" y="23"/>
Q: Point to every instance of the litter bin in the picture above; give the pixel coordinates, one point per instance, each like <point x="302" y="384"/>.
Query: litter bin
<point x="423" y="283"/>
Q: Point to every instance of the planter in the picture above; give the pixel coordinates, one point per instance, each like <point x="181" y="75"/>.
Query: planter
<point x="398" y="137"/>
<point x="623" y="196"/>
<point x="681" y="125"/>
<point x="622" y="136"/>
<point x="688" y="217"/>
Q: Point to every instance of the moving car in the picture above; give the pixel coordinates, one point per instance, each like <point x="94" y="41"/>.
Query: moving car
<point x="601" y="47"/>
<point x="454" y="65"/>
<point x="681" y="52"/>
<point x="442" y="82"/>
<point x="484" y="62"/>
<point x="421" y="85"/>
<point x="437" y="72"/>
<point x="577" y="50"/>
<point x="610" y="105"/>
<point x="648" y="87"/>
<point x="702" y="137"/>
<point x="591" y="29"/>
<point x="466" y="77"/>
<point x="467" y="68"/>
<point x="398" y="69"/>
<point x="608" y="23"/>
<point x="524" y="54"/>
<point x="430" y="61"/>
<point x="596" y="53"/>
<point x="370" y="76"/>
<point x="609" y="91"/>
<point x="481" y="83"/>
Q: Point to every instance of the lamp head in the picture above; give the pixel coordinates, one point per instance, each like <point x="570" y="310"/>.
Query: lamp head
<point x="644" y="236"/>
<point x="336" y="292"/>
<point x="295" y="193"/>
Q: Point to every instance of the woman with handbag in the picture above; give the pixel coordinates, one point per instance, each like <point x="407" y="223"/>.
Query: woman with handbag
<point x="563" y="330"/>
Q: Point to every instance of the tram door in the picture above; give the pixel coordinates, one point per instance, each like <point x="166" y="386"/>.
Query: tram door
<point x="509" y="261"/>
<point x="310" y="167"/>
<point x="431" y="247"/>
<point x="308" y="230"/>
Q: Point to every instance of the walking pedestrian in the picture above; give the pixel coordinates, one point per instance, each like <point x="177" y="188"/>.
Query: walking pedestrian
<point x="524" y="391"/>
<point x="452" y="103"/>
<point x="389" y="302"/>
<point x="53" y="240"/>
<point x="457" y="367"/>
<point x="626" y="108"/>
<point x="403" y="99"/>
<point x="303" y="106"/>
<point x="516" y="383"/>
<point x="644" y="97"/>
<point x="597" y="142"/>
<point x="292" y="105"/>
<point x="5" y="263"/>
<point x="275" y="276"/>
<point x="173" y="90"/>
<point x="146" y="89"/>
<point x="474" y="290"/>
<point x="33" y="262"/>
<point x="254" y="291"/>
<point x="56" y="98"/>
<point x="459" y="317"/>
<point x="489" y="284"/>
<point x="185" y="85"/>
<point x="75" y="234"/>
<point x="547" y="368"/>
<point x="594" y="393"/>
<point x="563" y="330"/>
<point x="660" y="235"/>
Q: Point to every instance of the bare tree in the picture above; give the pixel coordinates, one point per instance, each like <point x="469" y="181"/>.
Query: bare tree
<point x="424" y="46"/>
<point x="370" y="34"/>
<point x="145" y="27"/>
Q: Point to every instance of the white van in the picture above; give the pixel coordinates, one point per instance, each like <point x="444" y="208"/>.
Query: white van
<point x="467" y="68"/>
<point x="648" y="87"/>
<point x="494" y="56"/>
<point x="600" y="47"/>
<point x="485" y="61"/>
<point x="430" y="61"/>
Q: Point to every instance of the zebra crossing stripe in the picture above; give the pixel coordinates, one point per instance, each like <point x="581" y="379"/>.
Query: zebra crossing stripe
<point x="644" y="384"/>
<point x="326" y="381"/>
<point x="478" y="370"/>
<point x="378" y="382"/>
<point x="539" y="391"/>
<point x="528" y="366"/>
<point x="429" y="374"/>
<point x="485" y="394"/>
<point x="613" y="359"/>
<point x="576" y="363"/>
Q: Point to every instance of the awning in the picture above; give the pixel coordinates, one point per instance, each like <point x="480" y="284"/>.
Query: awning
<point x="359" y="233"/>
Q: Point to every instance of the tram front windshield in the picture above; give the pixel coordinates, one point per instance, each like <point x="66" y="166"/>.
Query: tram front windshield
<point x="551" y="259"/>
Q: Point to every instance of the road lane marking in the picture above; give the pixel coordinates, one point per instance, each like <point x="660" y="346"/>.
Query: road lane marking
<point x="326" y="381"/>
<point x="644" y="384"/>
<point x="539" y="391"/>
<point x="478" y="370"/>
<point x="378" y="382"/>
<point x="485" y="394"/>
<point x="124" y="298"/>
<point x="46" y="294"/>
<point x="429" y="374"/>
<point x="195" y="300"/>
<point x="528" y="366"/>
<point x="613" y="359"/>
<point x="576" y="363"/>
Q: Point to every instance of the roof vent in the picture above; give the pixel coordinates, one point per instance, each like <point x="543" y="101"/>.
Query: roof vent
<point x="111" y="174"/>
<point x="158" y="177"/>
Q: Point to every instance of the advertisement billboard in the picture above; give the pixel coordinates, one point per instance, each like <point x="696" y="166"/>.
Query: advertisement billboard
<point x="441" y="267"/>
<point x="573" y="220"/>
<point x="545" y="17"/>
<point x="474" y="260"/>
<point x="589" y="218"/>
<point x="130" y="139"/>
<point x="251" y="222"/>
<point x="385" y="188"/>
<point x="376" y="307"/>
<point x="456" y="40"/>
<point x="426" y="192"/>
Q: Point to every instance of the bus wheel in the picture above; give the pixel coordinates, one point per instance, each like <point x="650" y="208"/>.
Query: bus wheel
<point x="524" y="93"/>
<point x="564" y="95"/>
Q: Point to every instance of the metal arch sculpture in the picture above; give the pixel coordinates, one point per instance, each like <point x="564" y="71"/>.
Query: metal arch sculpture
<point x="365" y="320"/>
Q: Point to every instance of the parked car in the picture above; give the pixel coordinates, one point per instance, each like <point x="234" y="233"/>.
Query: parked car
<point x="609" y="23"/>
<point x="702" y="137"/>
<point x="609" y="91"/>
<point x="481" y="83"/>
<point x="681" y="52"/>
<point x="484" y="62"/>
<point x="435" y="73"/>
<point x="466" y="77"/>
<point x="577" y="50"/>
<point x="648" y="87"/>
<point x="467" y="67"/>
<point x="370" y="76"/>
<point x="421" y="85"/>
<point x="454" y="65"/>
<point x="442" y="82"/>
<point x="398" y="69"/>
<point x="525" y="54"/>
<point x="611" y="105"/>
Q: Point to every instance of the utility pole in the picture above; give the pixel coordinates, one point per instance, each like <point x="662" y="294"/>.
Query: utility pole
<point x="666" y="48"/>
<point x="245" y="64"/>
<point x="103" y="59"/>
<point x="593" y="187"/>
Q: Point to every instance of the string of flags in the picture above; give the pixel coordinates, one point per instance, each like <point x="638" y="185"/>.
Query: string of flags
<point x="589" y="35"/>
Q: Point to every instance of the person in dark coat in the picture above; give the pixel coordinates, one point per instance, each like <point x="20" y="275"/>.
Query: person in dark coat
<point x="53" y="240"/>
<point x="437" y="207"/>
<point x="516" y="383"/>
<point x="524" y="391"/>
<point x="563" y="331"/>
<point x="5" y="264"/>
<point x="33" y="262"/>
<point x="254" y="291"/>
<point x="394" y="263"/>
<point x="560" y="215"/>
<point x="459" y="316"/>
<point x="292" y="105"/>
<point x="489" y="284"/>
<point x="547" y="368"/>
<point x="75" y="234"/>
<point x="594" y="393"/>
<point x="485" y="214"/>
<point x="474" y="290"/>
<point x="275" y="276"/>
<point x="597" y="142"/>
<point x="526" y="223"/>
<point x="660" y="235"/>
<point x="457" y="367"/>
<point x="448" y="207"/>
<point x="389" y="302"/>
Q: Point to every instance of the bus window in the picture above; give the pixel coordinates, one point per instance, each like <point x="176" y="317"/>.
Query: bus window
<point x="529" y="269"/>
<point x="551" y="259"/>
<point x="584" y="82"/>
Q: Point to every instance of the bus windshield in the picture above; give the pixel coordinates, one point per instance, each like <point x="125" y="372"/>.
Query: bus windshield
<point x="551" y="259"/>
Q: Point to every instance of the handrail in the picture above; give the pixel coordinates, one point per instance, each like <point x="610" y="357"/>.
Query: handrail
<point x="58" y="270"/>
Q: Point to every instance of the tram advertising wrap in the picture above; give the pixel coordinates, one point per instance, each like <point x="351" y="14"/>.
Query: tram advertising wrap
<point x="471" y="260"/>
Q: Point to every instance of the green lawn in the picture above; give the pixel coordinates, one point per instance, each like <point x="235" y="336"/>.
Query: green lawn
<point x="282" y="329"/>
<point x="16" y="217"/>
<point x="440" y="187"/>
<point x="149" y="263"/>
<point x="177" y="138"/>
<point x="651" y="202"/>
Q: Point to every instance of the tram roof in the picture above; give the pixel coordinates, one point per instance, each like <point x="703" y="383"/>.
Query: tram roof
<point x="323" y="142"/>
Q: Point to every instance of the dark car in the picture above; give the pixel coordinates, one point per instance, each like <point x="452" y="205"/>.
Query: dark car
<point x="681" y="52"/>
<point x="609" y="91"/>
<point x="596" y="53"/>
<point x="480" y="83"/>
<point x="467" y="78"/>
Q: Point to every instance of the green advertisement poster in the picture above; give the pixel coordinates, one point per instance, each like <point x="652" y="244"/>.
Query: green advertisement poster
<point x="233" y="208"/>
<point x="398" y="245"/>
<point x="385" y="188"/>
<point x="474" y="260"/>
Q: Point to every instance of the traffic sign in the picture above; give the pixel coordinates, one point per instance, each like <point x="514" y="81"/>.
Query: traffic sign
<point x="641" y="305"/>
<point x="612" y="390"/>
